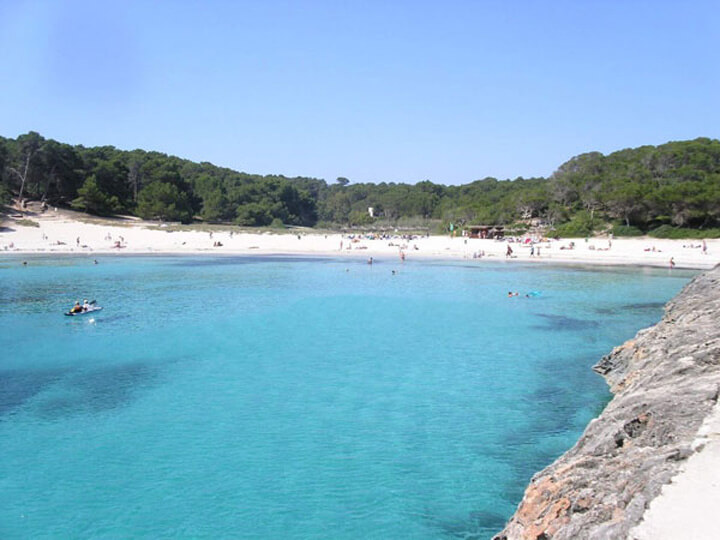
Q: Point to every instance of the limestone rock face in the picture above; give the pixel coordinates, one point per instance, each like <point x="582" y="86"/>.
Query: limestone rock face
<point x="666" y="381"/>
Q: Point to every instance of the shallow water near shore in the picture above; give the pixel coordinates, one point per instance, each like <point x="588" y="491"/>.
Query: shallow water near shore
<point x="253" y="397"/>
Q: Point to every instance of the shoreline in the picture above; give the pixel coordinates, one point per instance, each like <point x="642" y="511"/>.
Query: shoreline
<point x="30" y="255"/>
<point x="64" y="233"/>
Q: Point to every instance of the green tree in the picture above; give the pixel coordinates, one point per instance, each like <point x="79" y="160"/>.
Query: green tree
<point x="93" y="200"/>
<point x="164" y="201"/>
<point x="625" y="200"/>
<point x="28" y="146"/>
<point x="336" y="208"/>
<point x="254" y="215"/>
<point x="216" y="207"/>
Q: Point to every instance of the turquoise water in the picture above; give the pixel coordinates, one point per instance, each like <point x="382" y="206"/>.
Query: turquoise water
<point x="296" y="398"/>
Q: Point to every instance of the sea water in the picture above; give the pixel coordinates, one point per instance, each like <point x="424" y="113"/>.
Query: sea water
<point x="231" y="397"/>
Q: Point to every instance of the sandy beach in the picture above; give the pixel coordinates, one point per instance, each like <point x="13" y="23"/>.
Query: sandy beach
<point x="66" y="232"/>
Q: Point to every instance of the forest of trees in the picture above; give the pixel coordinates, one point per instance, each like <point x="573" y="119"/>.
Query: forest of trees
<point x="671" y="189"/>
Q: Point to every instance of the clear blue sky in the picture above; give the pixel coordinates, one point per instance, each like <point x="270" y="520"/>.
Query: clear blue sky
<point x="372" y="90"/>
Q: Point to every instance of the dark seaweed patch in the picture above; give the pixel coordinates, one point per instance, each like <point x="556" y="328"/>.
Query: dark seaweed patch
<point x="95" y="391"/>
<point x="561" y="322"/>
<point x="632" y="308"/>
<point x="18" y="387"/>
<point x="646" y="306"/>
<point x="111" y="387"/>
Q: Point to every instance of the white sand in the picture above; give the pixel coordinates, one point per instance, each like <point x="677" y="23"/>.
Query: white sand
<point x="59" y="233"/>
<point x="686" y="507"/>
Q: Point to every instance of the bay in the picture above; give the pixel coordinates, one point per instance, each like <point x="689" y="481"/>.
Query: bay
<point x="252" y="397"/>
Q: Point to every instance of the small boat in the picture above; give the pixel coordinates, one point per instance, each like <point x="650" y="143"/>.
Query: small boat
<point x="89" y="310"/>
<point x="92" y="307"/>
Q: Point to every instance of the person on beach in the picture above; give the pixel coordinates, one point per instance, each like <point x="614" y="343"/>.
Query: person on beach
<point x="672" y="263"/>
<point x="704" y="248"/>
<point x="509" y="252"/>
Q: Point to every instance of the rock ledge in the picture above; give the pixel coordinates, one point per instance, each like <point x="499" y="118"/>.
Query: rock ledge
<point x="666" y="381"/>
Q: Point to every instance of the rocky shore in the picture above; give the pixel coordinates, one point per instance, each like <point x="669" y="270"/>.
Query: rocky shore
<point x="665" y="383"/>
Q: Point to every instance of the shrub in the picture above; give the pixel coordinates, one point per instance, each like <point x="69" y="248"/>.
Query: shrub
<point x="253" y="215"/>
<point x="624" y="230"/>
<point x="277" y="224"/>
<point x="438" y="228"/>
<point x="358" y="217"/>
<point x="27" y="223"/>
<point x="579" y="226"/>
<point x="679" y="233"/>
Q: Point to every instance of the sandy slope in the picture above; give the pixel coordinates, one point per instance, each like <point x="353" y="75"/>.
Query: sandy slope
<point x="68" y="232"/>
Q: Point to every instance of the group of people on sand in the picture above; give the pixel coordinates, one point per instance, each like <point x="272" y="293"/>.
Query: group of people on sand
<point x="78" y="308"/>
<point x="702" y="246"/>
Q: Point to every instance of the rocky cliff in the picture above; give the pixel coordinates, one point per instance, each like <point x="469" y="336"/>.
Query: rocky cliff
<point x="666" y="382"/>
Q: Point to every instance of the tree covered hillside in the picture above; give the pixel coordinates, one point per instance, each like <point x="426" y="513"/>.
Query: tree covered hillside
<point x="668" y="189"/>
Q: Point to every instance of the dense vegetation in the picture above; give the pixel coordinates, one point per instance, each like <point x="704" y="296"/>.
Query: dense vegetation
<point x="667" y="190"/>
